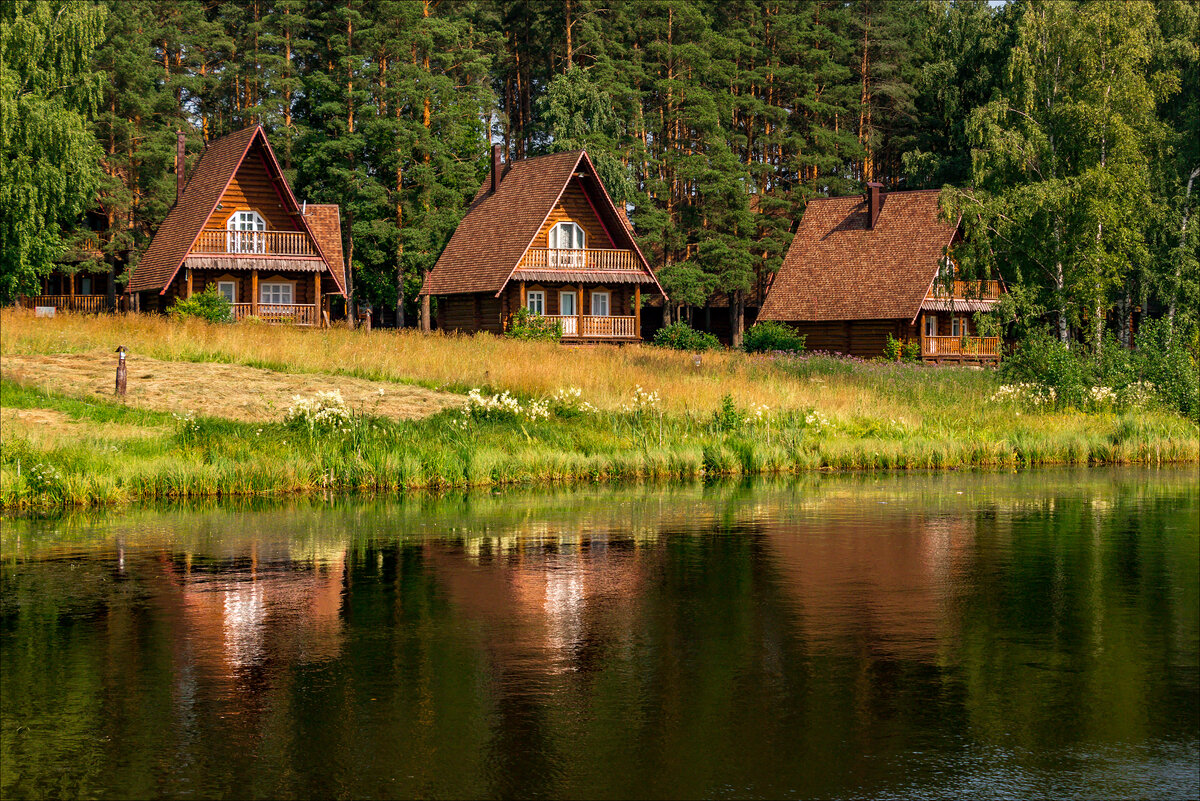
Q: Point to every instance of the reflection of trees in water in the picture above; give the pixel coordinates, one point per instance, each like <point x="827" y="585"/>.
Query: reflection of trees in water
<point x="778" y="639"/>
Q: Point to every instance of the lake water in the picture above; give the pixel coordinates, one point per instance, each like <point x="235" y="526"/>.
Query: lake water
<point x="951" y="635"/>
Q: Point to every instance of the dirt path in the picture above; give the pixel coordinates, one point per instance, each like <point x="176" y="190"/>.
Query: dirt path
<point x="219" y="390"/>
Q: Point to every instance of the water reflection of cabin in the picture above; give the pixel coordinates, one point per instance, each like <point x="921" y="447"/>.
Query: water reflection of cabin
<point x="861" y="268"/>
<point x="238" y="227"/>
<point x="543" y="234"/>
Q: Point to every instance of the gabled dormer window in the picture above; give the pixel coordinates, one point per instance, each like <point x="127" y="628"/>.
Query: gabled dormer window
<point x="247" y="232"/>
<point x="567" y="236"/>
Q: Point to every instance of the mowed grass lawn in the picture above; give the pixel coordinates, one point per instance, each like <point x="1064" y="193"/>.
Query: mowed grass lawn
<point x="66" y="440"/>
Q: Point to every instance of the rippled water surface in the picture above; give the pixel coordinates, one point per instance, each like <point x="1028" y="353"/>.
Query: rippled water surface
<point x="990" y="635"/>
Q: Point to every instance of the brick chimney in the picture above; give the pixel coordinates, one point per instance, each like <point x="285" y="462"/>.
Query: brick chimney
<point x="874" y="203"/>
<point x="180" y="148"/>
<point x="497" y="165"/>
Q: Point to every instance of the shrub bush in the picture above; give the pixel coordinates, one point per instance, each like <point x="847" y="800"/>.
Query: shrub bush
<point x="892" y="349"/>
<point x="208" y="305"/>
<point x="1170" y="368"/>
<point x="682" y="336"/>
<point x="528" y="325"/>
<point x="771" y="336"/>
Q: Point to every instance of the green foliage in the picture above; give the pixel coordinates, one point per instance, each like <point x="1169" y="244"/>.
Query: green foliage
<point x="891" y="349"/>
<point x="208" y="305"/>
<point x="728" y="417"/>
<point x="527" y="325"/>
<point x="769" y="335"/>
<point x="1113" y="375"/>
<point x="681" y="336"/>
<point x="49" y="160"/>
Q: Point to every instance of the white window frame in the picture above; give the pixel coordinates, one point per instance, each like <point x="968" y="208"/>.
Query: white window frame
<point x="247" y="232"/>
<point x="607" y="303"/>
<point x="956" y="326"/>
<point x="931" y="323"/>
<point x="535" y="301"/>
<point x="266" y="290"/>
<point x="569" y="253"/>
<point x="568" y="293"/>
<point x="232" y="296"/>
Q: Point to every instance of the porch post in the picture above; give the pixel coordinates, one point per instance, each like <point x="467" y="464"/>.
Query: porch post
<point x="637" y="310"/>
<point x="254" y="292"/>
<point x="71" y="283"/>
<point x="523" y="303"/>
<point x="317" y="299"/>
<point x="189" y="283"/>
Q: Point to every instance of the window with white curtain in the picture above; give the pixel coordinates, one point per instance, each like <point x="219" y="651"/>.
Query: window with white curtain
<point x="246" y="232"/>
<point x="536" y="302"/>
<point x="599" y="304"/>
<point x="227" y="290"/>
<point x="274" y="293"/>
<point x="567" y="236"/>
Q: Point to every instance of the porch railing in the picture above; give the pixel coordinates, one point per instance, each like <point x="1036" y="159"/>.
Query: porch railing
<point x="974" y="290"/>
<point x="254" y="243"/>
<point x="88" y="304"/>
<point x="960" y="346"/>
<point x="291" y="313"/>
<point x="590" y="259"/>
<point x="585" y="326"/>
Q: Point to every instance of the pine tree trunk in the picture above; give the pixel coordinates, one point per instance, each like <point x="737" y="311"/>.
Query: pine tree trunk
<point x="737" y="315"/>
<point x="1174" y="303"/>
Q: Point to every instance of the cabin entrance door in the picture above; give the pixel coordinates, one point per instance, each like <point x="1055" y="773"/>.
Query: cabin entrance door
<point x="568" y="310"/>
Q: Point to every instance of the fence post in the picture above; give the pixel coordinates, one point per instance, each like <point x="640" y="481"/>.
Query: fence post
<point x="122" y="370"/>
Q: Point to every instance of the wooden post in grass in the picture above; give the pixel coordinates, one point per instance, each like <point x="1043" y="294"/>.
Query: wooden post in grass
<point x="122" y="371"/>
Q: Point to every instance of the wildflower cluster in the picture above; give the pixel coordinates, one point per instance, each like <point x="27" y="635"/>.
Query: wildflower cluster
<point x="502" y="407"/>
<point x="759" y="413"/>
<point x="1139" y="393"/>
<point x="325" y="410"/>
<point x="816" y="422"/>
<point x="42" y="477"/>
<point x="188" y="427"/>
<point x="1035" y="395"/>
<point x="569" y="401"/>
<point x="642" y="401"/>
<point x="1102" y="396"/>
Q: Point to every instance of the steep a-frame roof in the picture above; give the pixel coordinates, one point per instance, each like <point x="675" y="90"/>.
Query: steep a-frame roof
<point x="211" y="177"/>
<point x="500" y="226"/>
<point x="838" y="268"/>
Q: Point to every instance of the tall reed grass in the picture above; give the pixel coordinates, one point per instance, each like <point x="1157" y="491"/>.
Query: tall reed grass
<point x="823" y="413"/>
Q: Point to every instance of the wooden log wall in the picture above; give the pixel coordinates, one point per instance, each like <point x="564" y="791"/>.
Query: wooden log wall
<point x="574" y="206"/>
<point x="251" y="188"/>
<point x="862" y="338"/>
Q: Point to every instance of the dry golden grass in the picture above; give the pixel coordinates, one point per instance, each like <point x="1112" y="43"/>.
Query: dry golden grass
<point x="231" y="391"/>
<point x="605" y="374"/>
<point x="52" y="428"/>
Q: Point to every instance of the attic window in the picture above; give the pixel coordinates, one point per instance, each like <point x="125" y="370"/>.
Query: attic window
<point x="246" y="232"/>
<point x="567" y="236"/>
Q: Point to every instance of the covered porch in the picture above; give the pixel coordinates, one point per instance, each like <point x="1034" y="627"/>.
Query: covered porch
<point x="585" y="311"/>
<point x="269" y="289"/>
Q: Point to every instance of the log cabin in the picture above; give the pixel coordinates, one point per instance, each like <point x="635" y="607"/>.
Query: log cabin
<point x="236" y="225"/>
<point x="83" y="280"/>
<point x="543" y="234"/>
<point x="864" y="267"/>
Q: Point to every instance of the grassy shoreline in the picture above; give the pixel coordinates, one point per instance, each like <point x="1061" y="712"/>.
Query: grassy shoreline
<point x="78" y="449"/>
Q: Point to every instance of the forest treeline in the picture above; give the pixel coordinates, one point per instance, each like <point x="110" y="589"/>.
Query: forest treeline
<point x="1067" y="131"/>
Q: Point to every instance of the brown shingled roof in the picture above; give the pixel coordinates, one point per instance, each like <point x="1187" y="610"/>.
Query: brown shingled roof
<point x="325" y="221"/>
<point x="499" y="227"/>
<point x="838" y="269"/>
<point x="208" y="182"/>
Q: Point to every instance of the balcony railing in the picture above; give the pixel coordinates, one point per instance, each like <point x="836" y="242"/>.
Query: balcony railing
<point x="934" y="347"/>
<point x="88" y="304"/>
<point x="592" y="259"/>
<point x="973" y="290"/>
<point x="289" y="313"/>
<point x="584" y="326"/>
<point x="254" y="243"/>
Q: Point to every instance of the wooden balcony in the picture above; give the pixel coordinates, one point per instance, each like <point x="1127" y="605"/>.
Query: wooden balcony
<point x="960" y="348"/>
<point x="254" y="243"/>
<point x="584" y="326"/>
<point x="85" y="304"/>
<point x="285" y="313"/>
<point x="579" y="260"/>
<point x="965" y="290"/>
